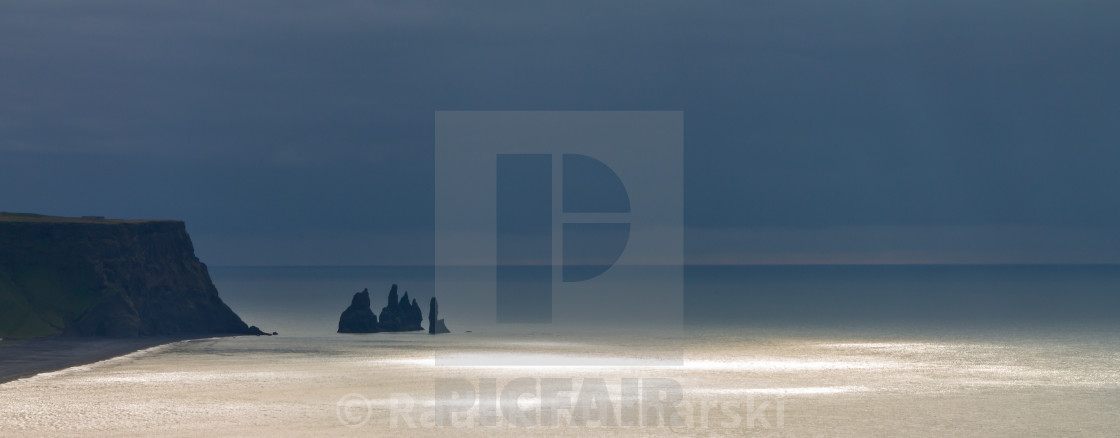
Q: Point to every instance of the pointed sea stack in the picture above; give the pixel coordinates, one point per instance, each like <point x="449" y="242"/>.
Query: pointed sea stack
<point x="435" y="325"/>
<point x="358" y="318"/>
<point x="400" y="314"/>
<point x="414" y="314"/>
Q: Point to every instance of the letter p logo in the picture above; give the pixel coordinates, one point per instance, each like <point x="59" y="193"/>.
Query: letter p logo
<point x="525" y="227"/>
<point x="560" y="218"/>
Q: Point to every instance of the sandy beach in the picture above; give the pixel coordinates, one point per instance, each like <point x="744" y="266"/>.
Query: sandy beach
<point x="28" y="357"/>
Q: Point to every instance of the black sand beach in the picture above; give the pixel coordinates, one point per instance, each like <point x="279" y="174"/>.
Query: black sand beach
<point x="25" y="358"/>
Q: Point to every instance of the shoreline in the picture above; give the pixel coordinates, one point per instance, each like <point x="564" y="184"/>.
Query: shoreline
<point x="25" y="358"/>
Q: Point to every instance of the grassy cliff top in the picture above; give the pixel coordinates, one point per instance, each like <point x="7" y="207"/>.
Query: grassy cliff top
<point x="39" y="218"/>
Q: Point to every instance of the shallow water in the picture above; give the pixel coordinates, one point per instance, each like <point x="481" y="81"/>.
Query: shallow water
<point x="795" y="382"/>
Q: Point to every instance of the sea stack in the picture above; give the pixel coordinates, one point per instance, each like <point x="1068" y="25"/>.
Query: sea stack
<point x="400" y="315"/>
<point x="435" y="325"/>
<point x="358" y="318"/>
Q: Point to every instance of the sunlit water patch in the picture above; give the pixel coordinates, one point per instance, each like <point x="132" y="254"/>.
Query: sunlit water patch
<point x="290" y="386"/>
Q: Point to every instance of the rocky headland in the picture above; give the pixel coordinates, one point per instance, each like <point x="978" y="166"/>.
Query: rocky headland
<point x="82" y="277"/>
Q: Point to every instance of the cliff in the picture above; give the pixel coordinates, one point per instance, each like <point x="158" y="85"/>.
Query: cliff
<point x="96" y="277"/>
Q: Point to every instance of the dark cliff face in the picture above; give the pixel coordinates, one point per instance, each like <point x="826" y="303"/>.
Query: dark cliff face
<point x="106" y="278"/>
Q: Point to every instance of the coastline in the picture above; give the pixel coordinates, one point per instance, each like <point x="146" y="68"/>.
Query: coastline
<point x="29" y="357"/>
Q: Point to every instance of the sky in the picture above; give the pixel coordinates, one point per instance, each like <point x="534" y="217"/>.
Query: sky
<point x="301" y="133"/>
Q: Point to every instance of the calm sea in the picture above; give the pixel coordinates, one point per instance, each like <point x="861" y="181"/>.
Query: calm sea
<point x="308" y="300"/>
<point x="768" y="351"/>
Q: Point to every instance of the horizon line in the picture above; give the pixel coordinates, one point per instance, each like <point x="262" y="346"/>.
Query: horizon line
<point x="432" y="265"/>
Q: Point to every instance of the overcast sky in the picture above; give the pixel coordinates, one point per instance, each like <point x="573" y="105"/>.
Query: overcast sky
<point x="889" y="131"/>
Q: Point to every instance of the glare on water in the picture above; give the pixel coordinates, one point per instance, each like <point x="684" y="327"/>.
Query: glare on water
<point x="296" y="386"/>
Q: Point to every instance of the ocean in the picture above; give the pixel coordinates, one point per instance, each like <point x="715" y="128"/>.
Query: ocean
<point x="783" y="351"/>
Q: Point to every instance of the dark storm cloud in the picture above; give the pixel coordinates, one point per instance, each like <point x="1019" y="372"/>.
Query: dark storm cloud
<point x="310" y="121"/>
